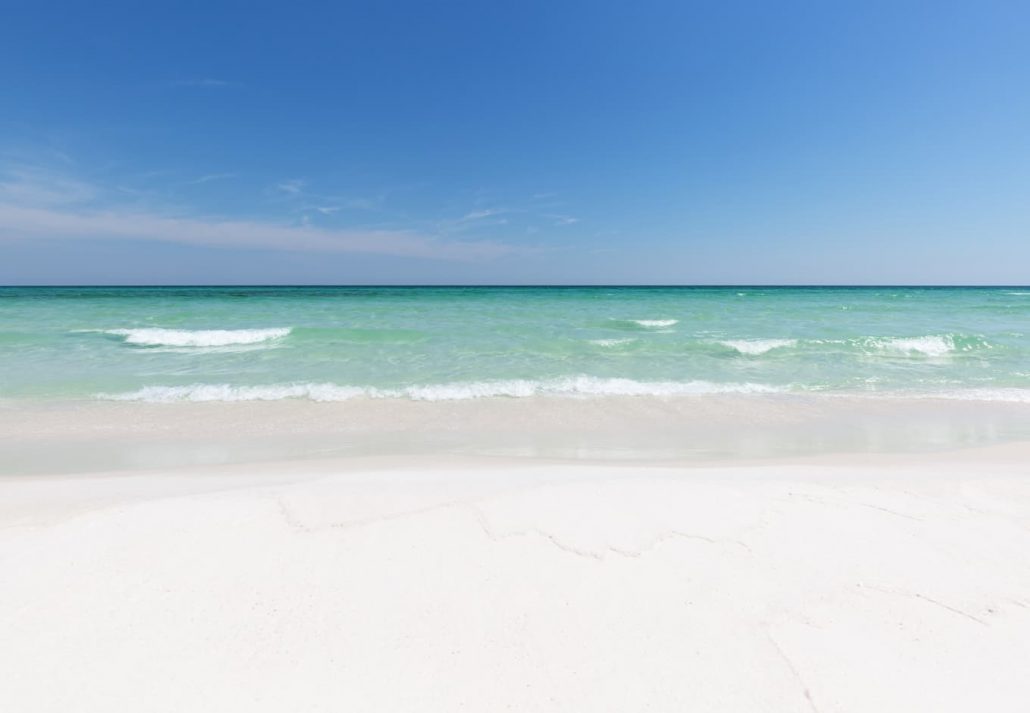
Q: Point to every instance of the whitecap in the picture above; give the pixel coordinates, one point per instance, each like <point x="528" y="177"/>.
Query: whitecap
<point x="611" y="342"/>
<point x="931" y="346"/>
<point x="655" y="323"/>
<point x="160" y="337"/>
<point x="229" y="392"/>
<point x="578" y="386"/>
<point x="454" y="391"/>
<point x="754" y="347"/>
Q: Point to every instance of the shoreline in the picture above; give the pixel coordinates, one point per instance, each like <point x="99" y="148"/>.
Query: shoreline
<point x="38" y="437"/>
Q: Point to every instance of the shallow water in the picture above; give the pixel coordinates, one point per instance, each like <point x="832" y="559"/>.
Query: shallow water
<point x="442" y="343"/>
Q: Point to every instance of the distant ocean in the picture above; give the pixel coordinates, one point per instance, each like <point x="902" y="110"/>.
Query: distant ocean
<point x="167" y="344"/>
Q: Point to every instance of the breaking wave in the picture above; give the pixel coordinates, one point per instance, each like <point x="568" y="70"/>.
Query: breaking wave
<point x="1010" y="395"/>
<point x="754" y="347"/>
<point x="158" y="337"/>
<point x="655" y="323"/>
<point x="612" y="342"/>
<point x="637" y="325"/>
<point x="457" y="391"/>
<point x="931" y="346"/>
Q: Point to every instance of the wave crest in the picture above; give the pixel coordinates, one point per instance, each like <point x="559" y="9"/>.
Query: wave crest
<point x="456" y="391"/>
<point x="754" y="347"/>
<point x="160" y="337"/>
<point x="1011" y="395"/>
<point x="612" y="342"/>
<point x="655" y="323"/>
<point x="931" y="346"/>
<point x="639" y="325"/>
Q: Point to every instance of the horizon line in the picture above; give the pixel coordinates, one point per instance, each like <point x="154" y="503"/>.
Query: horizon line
<point x="598" y="285"/>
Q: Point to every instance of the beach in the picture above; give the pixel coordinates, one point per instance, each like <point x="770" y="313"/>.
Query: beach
<point x="521" y="357"/>
<point x="607" y="499"/>
<point x="829" y="583"/>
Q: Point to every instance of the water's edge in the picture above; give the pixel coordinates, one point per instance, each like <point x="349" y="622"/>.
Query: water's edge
<point x="81" y="436"/>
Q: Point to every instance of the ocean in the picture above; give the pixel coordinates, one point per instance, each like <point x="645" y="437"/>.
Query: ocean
<point x="167" y="344"/>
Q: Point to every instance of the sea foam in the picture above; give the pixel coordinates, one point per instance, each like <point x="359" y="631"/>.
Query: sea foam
<point x="612" y="342"/>
<point x="159" y="337"/>
<point x="754" y="347"/>
<point x="645" y="325"/>
<point x="655" y="323"/>
<point x="1012" y="395"/>
<point x="455" y="391"/>
<point x="931" y="346"/>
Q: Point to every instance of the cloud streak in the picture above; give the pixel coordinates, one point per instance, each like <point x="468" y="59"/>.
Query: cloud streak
<point x="481" y="214"/>
<point x="564" y="219"/>
<point x="35" y="186"/>
<point x="20" y="222"/>
<point x="210" y="177"/>
<point x="39" y="203"/>
<point x="293" y="187"/>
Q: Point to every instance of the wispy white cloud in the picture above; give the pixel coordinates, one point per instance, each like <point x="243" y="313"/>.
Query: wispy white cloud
<point x="564" y="219"/>
<point x="210" y="177"/>
<point x="481" y="214"/>
<point x="330" y="205"/>
<point x="40" y="203"/>
<point x="475" y="220"/>
<point x="296" y="190"/>
<point x="293" y="187"/>
<point x="20" y="222"/>
<point x="33" y="185"/>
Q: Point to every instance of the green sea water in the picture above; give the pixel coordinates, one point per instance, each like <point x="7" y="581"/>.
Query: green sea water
<point x="440" y="343"/>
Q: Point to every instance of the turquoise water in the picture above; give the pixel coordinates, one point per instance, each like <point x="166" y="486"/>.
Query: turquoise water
<point x="334" y="343"/>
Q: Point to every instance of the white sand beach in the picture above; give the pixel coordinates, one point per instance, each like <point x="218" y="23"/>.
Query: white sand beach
<point x="514" y="357"/>
<point x="836" y="583"/>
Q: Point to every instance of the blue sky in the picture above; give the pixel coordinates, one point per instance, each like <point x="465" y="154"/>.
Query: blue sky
<point x="552" y="142"/>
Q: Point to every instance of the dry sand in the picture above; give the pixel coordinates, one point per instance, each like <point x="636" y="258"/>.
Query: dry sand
<point x="880" y="583"/>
